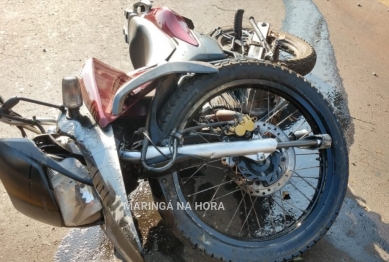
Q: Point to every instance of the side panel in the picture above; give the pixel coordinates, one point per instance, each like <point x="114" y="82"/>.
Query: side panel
<point x="172" y="24"/>
<point x="207" y="50"/>
<point x="148" y="44"/>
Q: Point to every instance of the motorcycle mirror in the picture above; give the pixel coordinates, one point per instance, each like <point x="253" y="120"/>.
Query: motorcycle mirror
<point x="10" y="103"/>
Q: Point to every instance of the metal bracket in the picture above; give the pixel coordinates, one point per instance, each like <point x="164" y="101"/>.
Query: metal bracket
<point x="256" y="47"/>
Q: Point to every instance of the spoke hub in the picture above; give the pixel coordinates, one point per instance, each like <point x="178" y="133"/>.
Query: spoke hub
<point x="268" y="171"/>
<point x="263" y="178"/>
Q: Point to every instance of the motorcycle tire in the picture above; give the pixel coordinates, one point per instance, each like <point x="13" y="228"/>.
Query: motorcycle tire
<point x="294" y="52"/>
<point x="277" y="226"/>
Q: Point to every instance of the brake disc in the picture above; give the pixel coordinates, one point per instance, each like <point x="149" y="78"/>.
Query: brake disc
<point x="262" y="178"/>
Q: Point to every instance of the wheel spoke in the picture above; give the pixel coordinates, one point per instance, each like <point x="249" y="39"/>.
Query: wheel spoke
<point x="227" y="194"/>
<point x="255" y="212"/>
<point x="283" y="209"/>
<point x="216" y="167"/>
<point x="194" y="173"/>
<point x="202" y="137"/>
<point x="208" y="134"/>
<point x="305" y="135"/>
<point x="209" y="188"/>
<point x="217" y="190"/>
<point x="271" y="215"/>
<point x="300" y="191"/>
<point x="184" y="182"/>
<point x="209" y="103"/>
<point x="252" y="100"/>
<point x="286" y="118"/>
<point x="268" y="119"/>
<point x="236" y="211"/>
<point x="300" y="125"/>
<point x="298" y="176"/>
<point x="287" y="202"/>
<point x="308" y="177"/>
<point x="305" y="168"/>
<point x="268" y="104"/>
<point x="245" y="211"/>
<point x="306" y="154"/>
<point x="247" y="214"/>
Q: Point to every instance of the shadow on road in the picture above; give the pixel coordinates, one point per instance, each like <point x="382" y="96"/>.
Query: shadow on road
<point x="356" y="235"/>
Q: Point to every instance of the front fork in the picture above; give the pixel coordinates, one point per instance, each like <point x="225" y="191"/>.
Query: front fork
<point x="100" y="152"/>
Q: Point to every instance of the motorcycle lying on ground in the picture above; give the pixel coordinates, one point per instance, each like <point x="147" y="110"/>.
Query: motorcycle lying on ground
<point x="207" y="127"/>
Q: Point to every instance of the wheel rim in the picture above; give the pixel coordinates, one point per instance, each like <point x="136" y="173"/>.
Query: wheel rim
<point x="228" y="35"/>
<point x="286" y="51"/>
<point x="246" y="217"/>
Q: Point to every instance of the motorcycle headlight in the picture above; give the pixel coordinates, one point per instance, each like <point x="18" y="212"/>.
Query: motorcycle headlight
<point x="71" y="92"/>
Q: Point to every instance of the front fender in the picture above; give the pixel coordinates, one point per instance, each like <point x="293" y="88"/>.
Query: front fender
<point x="99" y="149"/>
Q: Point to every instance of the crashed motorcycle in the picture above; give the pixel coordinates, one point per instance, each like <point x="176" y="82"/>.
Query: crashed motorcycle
<point x="247" y="154"/>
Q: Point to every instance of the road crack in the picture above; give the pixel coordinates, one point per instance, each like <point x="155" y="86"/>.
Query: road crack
<point x="228" y="10"/>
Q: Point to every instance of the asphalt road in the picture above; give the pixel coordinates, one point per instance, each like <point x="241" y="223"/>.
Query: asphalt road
<point x="41" y="42"/>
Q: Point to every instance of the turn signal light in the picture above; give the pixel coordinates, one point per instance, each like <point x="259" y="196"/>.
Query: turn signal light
<point x="71" y="92"/>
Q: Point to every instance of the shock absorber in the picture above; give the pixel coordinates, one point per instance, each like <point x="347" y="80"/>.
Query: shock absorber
<point x="274" y="50"/>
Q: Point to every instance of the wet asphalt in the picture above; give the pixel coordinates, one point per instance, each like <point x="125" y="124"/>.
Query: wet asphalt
<point x="356" y="235"/>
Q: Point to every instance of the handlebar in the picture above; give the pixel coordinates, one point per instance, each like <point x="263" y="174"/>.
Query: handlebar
<point x="8" y="116"/>
<point x="238" y="23"/>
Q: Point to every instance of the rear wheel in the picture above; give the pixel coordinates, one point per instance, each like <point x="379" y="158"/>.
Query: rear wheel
<point x="293" y="52"/>
<point x="245" y="208"/>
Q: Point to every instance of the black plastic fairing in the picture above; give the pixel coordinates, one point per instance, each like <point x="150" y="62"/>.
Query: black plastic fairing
<point x="26" y="183"/>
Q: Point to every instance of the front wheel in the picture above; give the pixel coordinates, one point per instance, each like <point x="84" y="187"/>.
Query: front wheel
<point x="247" y="208"/>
